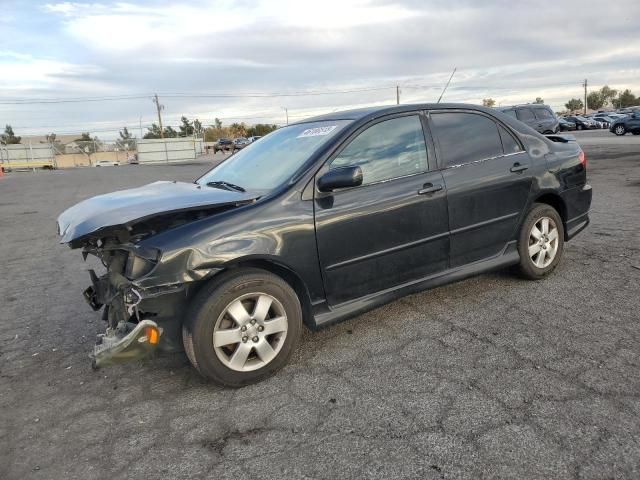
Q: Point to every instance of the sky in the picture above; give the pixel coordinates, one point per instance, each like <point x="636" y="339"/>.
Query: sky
<point x="250" y="60"/>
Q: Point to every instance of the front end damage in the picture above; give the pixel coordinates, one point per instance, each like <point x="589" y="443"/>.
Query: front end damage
<point x="139" y="320"/>
<point x="143" y="294"/>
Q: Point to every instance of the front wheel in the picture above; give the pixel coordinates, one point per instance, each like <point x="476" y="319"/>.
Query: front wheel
<point x="243" y="327"/>
<point x="541" y="242"/>
<point x="619" y="130"/>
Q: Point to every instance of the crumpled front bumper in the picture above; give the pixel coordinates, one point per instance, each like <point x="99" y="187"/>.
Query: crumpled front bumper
<point x="126" y="343"/>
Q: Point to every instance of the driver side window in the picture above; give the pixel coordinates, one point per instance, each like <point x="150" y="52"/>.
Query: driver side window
<point x="389" y="149"/>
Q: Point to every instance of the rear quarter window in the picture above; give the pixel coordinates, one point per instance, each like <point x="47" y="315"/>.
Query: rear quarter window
<point x="543" y="114"/>
<point x="525" y="115"/>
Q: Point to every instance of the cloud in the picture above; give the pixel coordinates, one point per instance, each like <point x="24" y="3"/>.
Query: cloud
<point x="511" y="51"/>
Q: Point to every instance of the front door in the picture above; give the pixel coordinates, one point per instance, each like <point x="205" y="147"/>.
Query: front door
<point x="488" y="178"/>
<point x="394" y="227"/>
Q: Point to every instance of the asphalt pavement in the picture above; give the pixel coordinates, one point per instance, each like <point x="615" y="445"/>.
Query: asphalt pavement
<point x="491" y="377"/>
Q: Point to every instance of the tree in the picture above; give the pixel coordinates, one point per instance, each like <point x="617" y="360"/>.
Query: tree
<point x="488" y="102"/>
<point x="574" y="105"/>
<point x="8" y="137"/>
<point x="539" y="100"/>
<point x="169" y="132"/>
<point x="627" y="99"/>
<point x="260" y="130"/>
<point x="186" y="129"/>
<point x="595" y="101"/>
<point x="608" y="94"/>
<point x="218" y="123"/>
<point x="238" y="129"/>
<point x="197" y="127"/>
<point x="126" y="141"/>
<point x="152" y="132"/>
<point x="87" y="145"/>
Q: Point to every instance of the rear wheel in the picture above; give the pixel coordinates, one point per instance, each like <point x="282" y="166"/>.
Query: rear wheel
<point x="243" y="327"/>
<point x="619" y="130"/>
<point x="579" y="127"/>
<point x="541" y="242"/>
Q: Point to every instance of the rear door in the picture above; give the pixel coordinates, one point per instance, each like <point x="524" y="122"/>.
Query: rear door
<point x="487" y="175"/>
<point x="394" y="227"/>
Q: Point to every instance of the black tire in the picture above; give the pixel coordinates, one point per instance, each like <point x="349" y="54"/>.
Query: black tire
<point x="635" y="133"/>
<point x="619" y="131"/>
<point x="209" y="304"/>
<point x="527" y="267"/>
<point x="579" y="127"/>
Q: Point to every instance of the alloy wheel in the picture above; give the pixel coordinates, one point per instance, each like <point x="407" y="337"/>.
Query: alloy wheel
<point x="250" y="332"/>
<point x="543" y="242"/>
<point x="619" y="129"/>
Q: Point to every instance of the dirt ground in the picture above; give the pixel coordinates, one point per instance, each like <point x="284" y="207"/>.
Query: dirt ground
<point x="492" y="377"/>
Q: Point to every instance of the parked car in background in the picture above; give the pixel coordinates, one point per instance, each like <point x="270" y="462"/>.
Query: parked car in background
<point x="540" y="117"/>
<point x="582" y="123"/>
<point x="630" y="123"/>
<point x="254" y="138"/>
<point x="604" y="119"/>
<point x="107" y="163"/>
<point x="566" y="125"/>
<point x="132" y="159"/>
<point x="222" y="145"/>
<point x="240" y="143"/>
<point x="320" y="221"/>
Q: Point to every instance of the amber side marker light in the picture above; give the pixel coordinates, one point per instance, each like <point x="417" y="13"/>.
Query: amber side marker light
<point x="152" y="334"/>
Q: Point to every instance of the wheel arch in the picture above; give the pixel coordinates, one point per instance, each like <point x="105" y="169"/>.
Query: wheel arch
<point x="554" y="200"/>
<point x="285" y="273"/>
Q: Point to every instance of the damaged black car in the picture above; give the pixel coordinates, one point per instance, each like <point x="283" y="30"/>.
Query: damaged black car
<point x="320" y="221"/>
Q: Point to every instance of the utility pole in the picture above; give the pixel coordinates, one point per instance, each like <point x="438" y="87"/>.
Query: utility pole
<point x="397" y="94"/>
<point x="140" y="127"/>
<point x="286" y="112"/>
<point x="159" y="107"/>
<point x="585" y="95"/>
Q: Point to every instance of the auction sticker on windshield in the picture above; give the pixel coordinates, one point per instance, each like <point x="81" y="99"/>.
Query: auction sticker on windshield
<point x="318" y="131"/>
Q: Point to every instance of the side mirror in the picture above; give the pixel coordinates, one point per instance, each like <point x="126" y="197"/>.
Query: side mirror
<point x="342" y="177"/>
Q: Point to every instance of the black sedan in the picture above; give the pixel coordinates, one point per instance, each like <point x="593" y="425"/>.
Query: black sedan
<point x="320" y="221"/>
<point x="566" y="125"/>
<point x="582" y="123"/>
<point x="630" y="123"/>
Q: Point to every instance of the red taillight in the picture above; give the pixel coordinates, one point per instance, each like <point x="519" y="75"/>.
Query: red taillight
<point x="583" y="158"/>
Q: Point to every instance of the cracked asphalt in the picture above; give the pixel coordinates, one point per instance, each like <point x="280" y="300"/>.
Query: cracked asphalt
<point x="492" y="377"/>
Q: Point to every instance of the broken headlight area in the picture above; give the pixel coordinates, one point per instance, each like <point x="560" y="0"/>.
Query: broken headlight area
<point x="135" y="316"/>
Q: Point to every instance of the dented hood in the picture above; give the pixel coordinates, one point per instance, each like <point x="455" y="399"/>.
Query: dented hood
<point x="128" y="206"/>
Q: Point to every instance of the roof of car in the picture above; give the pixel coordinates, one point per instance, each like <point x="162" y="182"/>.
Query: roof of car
<point x="534" y="105"/>
<point x="372" y="112"/>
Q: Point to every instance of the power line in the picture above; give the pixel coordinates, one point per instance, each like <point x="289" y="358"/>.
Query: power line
<point x="26" y="101"/>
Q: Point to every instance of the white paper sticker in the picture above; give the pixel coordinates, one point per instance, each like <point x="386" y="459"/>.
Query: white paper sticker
<point x="318" y="131"/>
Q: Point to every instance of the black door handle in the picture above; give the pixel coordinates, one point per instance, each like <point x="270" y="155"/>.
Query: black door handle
<point x="519" y="168"/>
<point x="429" y="188"/>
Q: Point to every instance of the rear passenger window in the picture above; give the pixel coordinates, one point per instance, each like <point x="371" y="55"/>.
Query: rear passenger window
<point x="511" y="113"/>
<point x="389" y="149"/>
<point x="465" y="137"/>
<point x="543" y="114"/>
<point x="524" y="115"/>
<point x="509" y="144"/>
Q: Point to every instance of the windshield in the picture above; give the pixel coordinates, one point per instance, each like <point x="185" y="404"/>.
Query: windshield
<point x="272" y="161"/>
